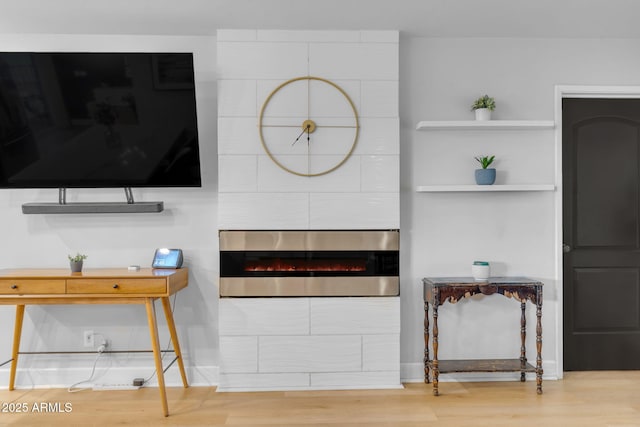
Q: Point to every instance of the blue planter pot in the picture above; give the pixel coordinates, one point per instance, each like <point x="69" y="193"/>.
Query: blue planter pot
<point x="485" y="176"/>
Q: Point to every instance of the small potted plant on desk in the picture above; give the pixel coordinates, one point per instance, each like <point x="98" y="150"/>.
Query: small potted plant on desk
<point x="486" y="175"/>
<point x="75" y="262"/>
<point x="483" y="107"/>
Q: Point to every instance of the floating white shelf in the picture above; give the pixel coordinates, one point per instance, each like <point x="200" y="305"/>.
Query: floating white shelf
<point x="489" y="124"/>
<point x="473" y="187"/>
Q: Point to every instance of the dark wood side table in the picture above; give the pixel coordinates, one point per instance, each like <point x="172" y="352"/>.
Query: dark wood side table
<point x="439" y="290"/>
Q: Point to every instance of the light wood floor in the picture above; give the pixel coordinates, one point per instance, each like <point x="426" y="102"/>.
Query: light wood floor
<point x="581" y="399"/>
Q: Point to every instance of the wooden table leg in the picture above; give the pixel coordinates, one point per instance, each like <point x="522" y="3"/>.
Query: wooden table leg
<point x="157" y="355"/>
<point x="523" y="336"/>
<point x="426" y="343"/>
<point x="174" y="338"/>
<point x="539" y="340"/>
<point x="17" y="333"/>
<point x="435" y="370"/>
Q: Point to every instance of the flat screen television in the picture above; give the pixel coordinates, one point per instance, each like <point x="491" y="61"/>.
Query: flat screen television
<point x="89" y="120"/>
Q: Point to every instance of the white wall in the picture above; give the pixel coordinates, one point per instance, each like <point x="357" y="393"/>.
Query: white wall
<point x="443" y="233"/>
<point x="118" y="240"/>
<point x="254" y="192"/>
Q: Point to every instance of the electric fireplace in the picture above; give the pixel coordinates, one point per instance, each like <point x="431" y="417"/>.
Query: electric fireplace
<point x="264" y="263"/>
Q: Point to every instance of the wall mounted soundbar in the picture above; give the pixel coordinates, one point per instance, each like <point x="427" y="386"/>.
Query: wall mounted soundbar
<point x="62" y="207"/>
<point x="92" y="208"/>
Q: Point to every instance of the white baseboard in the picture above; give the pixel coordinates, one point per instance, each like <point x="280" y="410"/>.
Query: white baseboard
<point x="207" y="376"/>
<point x="308" y="388"/>
<point x="55" y="377"/>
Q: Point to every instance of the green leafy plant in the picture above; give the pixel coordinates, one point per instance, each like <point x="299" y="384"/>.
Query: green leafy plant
<point x="485" y="161"/>
<point x="77" y="257"/>
<point x="484" y="102"/>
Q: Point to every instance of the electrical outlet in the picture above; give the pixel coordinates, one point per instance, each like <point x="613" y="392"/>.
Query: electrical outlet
<point x="88" y="339"/>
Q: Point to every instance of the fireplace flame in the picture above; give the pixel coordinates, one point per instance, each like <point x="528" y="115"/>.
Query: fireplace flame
<point x="284" y="265"/>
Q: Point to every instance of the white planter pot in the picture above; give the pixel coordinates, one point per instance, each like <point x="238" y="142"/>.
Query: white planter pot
<point x="483" y="114"/>
<point x="480" y="270"/>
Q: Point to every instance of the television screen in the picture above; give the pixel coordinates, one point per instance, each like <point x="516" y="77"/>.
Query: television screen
<point x="98" y="120"/>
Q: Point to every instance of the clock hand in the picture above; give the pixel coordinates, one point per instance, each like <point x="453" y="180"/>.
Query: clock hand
<point x="302" y="133"/>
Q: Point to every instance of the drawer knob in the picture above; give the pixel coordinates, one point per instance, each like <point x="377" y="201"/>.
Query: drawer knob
<point x="14" y="286"/>
<point x="115" y="286"/>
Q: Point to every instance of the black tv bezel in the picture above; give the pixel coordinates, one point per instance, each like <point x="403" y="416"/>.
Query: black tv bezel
<point x="117" y="183"/>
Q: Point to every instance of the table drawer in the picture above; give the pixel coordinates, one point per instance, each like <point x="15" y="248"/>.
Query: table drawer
<point x="31" y="286"/>
<point x="117" y="286"/>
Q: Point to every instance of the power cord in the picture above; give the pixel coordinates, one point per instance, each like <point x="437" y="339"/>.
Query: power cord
<point x="101" y="349"/>
<point x="173" y="307"/>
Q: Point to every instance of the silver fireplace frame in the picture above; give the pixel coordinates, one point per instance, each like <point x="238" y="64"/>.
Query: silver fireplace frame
<point x="311" y="240"/>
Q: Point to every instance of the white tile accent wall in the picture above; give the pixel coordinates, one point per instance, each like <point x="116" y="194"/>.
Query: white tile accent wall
<point x="311" y="353"/>
<point x="379" y="173"/>
<point x="262" y="60"/>
<point x="237" y="98"/>
<point x="238" y="136"/>
<point x="380" y="352"/>
<point x="307" y="343"/>
<point x="379" y="99"/>
<point x="259" y="382"/>
<point x="361" y="61"/>
<point x="308" y="36"/>
<point x="344" y="179"/>
<point x="238" y="173"/>
<point x="250" y="65"/>
<point x="380" y="36"/>
<point x="355" y="316"/>
<point x="253" y="316"/>
<point x="263" y="211"/>
<point x="239" y="354"/>
<point x="382" y="136"/>
<point x="354" y="210"/>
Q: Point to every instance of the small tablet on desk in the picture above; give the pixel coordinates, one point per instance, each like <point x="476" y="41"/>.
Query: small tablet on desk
<point x="167" y="258"/>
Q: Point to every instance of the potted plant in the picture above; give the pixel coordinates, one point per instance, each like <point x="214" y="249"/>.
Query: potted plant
<point x="486" y="175"/>
<point x="483" y="107"/>
<point x="75" y="262"/>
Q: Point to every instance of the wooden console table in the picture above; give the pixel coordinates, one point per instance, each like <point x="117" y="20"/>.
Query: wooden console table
<point x="23" y="287"/>
<point x="439" y="290"/>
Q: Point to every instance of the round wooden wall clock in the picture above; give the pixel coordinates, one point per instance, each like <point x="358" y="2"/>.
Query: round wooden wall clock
<point x="308" y="126"/>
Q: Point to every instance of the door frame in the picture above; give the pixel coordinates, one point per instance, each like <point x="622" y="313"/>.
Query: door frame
<point x="572" y="91"/>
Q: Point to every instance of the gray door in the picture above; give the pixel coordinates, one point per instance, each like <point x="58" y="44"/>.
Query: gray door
<point x="601" y="226"/>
